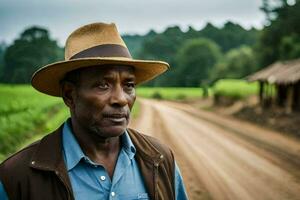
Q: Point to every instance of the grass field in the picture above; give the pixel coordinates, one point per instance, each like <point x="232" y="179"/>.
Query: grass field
<point x="25" y="113"/>
<point x="235" y="88"/>
<point x="170" y="93"/>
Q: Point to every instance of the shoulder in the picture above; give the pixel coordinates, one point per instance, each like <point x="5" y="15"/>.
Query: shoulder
<point x="17" y="167"/>
<point x="149" y="142"/>
<point x="19" y="159"/>
<point x="22" y="159"/>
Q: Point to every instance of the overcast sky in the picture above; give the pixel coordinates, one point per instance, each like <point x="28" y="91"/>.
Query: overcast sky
<point x="131" y="16"/>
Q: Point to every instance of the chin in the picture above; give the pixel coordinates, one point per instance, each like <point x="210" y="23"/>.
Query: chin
<point x="113" y="131"/>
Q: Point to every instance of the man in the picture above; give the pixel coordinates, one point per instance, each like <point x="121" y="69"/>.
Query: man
<point x="94" y="155"/>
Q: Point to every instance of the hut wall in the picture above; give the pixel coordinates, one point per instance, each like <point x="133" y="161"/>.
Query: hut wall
<point x="281" y="94"/>
<point x="296" y="100"/>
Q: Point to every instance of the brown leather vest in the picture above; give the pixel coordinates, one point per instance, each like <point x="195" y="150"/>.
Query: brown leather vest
<point x="38" y="172"/>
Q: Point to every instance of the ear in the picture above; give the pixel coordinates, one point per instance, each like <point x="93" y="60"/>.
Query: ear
<point x="68" y="91"/>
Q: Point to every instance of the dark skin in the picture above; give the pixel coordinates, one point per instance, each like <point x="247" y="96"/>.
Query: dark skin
<point x="100" y="105"/>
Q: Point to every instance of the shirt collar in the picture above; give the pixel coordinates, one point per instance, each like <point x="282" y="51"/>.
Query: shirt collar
<point x="127" y="145"/>
<point x="73" y="153"/>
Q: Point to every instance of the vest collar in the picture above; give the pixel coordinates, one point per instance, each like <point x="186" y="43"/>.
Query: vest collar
<point x="48" y="155"/>
<point x="145" y="148"/>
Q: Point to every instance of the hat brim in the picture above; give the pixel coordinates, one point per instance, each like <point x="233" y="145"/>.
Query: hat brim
<point x="47" y="79"/>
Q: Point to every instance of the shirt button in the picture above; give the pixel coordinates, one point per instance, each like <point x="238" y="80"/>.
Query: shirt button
<point x="102" y="178"/>
<point x="113" y="194"/>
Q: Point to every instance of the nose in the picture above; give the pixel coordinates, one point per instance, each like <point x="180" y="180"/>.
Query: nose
<point x="118" y="97"/>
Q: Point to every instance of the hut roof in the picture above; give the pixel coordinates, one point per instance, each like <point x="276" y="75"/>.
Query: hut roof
<point x="281" y="72"/>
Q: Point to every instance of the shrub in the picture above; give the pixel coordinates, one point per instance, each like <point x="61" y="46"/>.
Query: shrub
<point x="156" y="95"/>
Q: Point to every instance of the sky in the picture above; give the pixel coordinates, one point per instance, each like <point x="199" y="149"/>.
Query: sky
<point x="61" y="17"/>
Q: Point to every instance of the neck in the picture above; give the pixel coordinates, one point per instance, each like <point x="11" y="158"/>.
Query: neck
<point x="97" y="148"/>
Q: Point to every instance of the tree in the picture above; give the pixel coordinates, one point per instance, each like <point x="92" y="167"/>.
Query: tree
<point x="135" y="42"/>
<point x="2" y="50"/>
<point x="230" y="36"/>
<point x="280" y="38"/>
<point x="163" y="46"/>
<point x="237" y="63"/>
<point x="32" y="50"/>
<point x="289" y="47"/>
<point x="195" y="59"/>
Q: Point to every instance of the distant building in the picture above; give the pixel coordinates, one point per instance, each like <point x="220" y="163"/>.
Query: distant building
<point x="279" y="85"/>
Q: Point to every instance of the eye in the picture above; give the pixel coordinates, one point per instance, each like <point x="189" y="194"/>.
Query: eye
<point x="103" y="85"/>
<point x="130" y="85"/>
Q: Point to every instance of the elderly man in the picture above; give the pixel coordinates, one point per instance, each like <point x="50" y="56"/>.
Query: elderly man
<point x="93" y="155"/>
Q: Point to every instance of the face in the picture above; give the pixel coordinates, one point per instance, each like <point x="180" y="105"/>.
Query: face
<point x="101" y="103"/>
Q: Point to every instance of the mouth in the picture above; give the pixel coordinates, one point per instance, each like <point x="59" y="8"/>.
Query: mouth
<point x="116" y="117"/>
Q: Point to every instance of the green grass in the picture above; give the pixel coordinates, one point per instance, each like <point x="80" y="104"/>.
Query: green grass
<point x="169" y="93"/>
<point x="25" y="114"/>
<point x="235" y="88"/>
<point x="56" y="120"/>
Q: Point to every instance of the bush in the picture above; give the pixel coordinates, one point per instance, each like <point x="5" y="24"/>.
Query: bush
<point x="156" y="95"/>
<point x="181" y="96"/>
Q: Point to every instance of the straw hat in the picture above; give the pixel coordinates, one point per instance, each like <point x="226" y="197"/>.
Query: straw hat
<point x="95" y="44"/>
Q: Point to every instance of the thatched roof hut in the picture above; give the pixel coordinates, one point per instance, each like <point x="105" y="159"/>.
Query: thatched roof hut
<point x="282" y="72"/>
<point x="284" y="76"/>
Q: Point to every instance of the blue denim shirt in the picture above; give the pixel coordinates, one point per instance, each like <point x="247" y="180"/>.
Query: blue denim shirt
<point x="90" y="180"/>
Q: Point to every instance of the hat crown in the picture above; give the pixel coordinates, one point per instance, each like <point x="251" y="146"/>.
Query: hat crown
<point x="92" y="35"/>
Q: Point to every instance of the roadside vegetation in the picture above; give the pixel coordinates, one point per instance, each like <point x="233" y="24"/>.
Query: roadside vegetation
<point x="24" y="114"/>
<point x="231" y="88"/>
<point x="170" y="93"/>
<point x="235" y="88"/>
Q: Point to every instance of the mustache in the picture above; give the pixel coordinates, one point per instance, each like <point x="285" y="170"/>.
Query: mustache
<point x="116" y="114"/>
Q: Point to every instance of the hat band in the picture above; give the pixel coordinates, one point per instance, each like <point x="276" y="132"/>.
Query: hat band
<point x="104" y="50"/>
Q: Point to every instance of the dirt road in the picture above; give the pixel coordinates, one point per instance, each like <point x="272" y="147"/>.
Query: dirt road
<point x="223" y="158"/>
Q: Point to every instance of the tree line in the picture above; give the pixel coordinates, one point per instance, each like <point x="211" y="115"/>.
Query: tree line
<point x="197" y="57"/>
